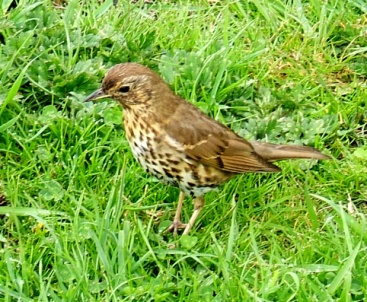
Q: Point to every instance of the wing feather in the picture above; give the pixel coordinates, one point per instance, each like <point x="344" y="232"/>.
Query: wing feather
<point x="211" y="143"/>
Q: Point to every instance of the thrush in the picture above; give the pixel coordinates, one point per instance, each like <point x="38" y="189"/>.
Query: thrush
<point x="179" y="144"/>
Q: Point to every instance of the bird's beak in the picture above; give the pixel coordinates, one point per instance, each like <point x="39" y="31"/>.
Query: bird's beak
<point x="97" y="95"/>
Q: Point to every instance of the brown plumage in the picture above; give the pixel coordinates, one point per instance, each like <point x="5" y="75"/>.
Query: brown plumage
<point x="179" y="144"/>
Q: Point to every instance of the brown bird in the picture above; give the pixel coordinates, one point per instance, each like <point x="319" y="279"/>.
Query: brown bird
<point x="179" y="144"/>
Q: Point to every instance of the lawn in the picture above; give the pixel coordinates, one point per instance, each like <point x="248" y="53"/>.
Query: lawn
<point x="81" y="221"/>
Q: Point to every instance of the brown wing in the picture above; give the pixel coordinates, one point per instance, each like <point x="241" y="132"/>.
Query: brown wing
<point x="213" y="144"/>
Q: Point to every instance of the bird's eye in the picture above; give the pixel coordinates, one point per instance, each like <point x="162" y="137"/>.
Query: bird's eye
<point x="124" y="89"/>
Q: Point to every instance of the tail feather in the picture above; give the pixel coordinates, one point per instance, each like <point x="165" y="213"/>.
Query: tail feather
<point x="274" y="152"/>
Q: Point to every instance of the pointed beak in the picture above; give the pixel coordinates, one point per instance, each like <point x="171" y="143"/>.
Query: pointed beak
<point x="97" y="95"/>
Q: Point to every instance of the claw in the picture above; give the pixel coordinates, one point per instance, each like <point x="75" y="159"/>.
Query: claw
<point x="175" y="226"/>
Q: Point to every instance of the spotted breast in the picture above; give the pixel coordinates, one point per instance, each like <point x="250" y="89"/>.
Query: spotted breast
<point x="163" y="157"/>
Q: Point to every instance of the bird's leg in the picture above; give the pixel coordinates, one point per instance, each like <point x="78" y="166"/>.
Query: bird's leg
<point x="198" y="205"/>
<point x="177" y="224"/>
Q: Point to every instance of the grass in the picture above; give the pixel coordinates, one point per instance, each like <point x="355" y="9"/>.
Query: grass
<point x="81" y="221"/>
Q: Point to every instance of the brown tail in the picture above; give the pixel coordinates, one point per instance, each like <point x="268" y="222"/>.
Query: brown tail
<point x="273" y="152"/>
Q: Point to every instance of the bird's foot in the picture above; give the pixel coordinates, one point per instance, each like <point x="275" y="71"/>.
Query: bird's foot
<point x="175" y="226"/>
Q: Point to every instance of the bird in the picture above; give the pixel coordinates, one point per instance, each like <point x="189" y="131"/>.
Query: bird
<point x="182" y="146"/>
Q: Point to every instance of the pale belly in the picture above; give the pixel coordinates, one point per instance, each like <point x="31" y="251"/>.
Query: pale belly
<point x="162" y="159"/>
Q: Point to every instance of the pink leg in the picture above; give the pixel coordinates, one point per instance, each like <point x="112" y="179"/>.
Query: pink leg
<point x="198" y="206"/>
<point x="177" y="224"/>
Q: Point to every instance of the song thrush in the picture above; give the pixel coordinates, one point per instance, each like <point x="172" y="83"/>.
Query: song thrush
<point x="179" y="144"/>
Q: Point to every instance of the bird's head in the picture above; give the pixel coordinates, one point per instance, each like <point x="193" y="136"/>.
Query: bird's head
<point x="130" y="84"/>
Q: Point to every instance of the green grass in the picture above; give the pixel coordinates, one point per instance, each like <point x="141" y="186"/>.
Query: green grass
<point x="81" y="221"/>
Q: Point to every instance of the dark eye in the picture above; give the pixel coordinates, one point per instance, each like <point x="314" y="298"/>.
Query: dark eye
<point x="124" y="89"/>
